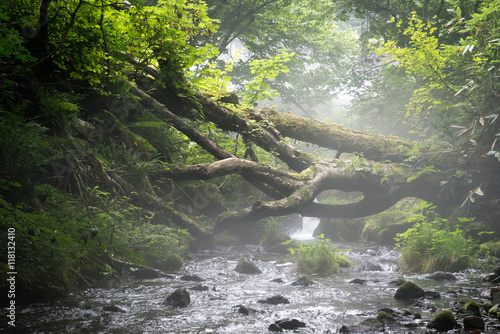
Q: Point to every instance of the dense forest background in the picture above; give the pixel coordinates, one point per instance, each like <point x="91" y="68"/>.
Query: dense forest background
<point x="136" y="131"/>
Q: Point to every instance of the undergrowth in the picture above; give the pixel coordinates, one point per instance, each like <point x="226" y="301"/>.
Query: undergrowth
<point x="65" y="241"/>
<point x="321" y="257"/>
<point x="433" y="244"/>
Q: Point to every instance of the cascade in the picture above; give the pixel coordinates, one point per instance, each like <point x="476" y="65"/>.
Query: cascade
<point x="308" y="225"/>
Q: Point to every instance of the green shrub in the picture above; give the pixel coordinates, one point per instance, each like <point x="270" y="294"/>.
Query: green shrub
<point x="66" y="240"/>
<point x="322" y="257"/>
<point x="432" y="245"/>
<point x="160" y="246"/>
<point x="272" y="233"/>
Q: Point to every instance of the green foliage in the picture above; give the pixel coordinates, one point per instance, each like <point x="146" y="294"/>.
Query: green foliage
<point x="51" y="245"/>
<point x="265" y="70"/>
<point x="212" y="80"/>
<point x="11" y="42"/>
<point x="425" y="170"/>
<point x="160" y="246"/>
<point x="24" y="145"/>
<point x="67" y="239"/>
<point x="322" y="257"/>
<point x="425" y="59"/>
<point x="272" y="232"/>
<point x="432" y="244"/>
<point x="60" y="109"/>
<point x="305" y="28"/>
<point x="271" y="225"/>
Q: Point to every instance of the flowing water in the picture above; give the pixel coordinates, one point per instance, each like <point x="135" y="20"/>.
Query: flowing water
<point x="325" y="306"/>
<point x="309" y="224"/>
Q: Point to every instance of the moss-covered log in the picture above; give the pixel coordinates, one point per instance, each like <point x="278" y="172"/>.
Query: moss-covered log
<point x="336" y="137"/>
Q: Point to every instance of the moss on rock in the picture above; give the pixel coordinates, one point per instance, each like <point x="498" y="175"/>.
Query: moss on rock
<point x="409" y="290"/>
<point x="443" y="321"/>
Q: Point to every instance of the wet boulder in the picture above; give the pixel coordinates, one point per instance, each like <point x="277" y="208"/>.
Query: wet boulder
<point x="278" y="280"/>
<point x="492" y="294"/>
<point x="274" y="300"/>
<point x="397" y="282"/>
<point x="114" y="308"/>
<point x="441" y="276"/>
<point x="358" y="281"/>
<point x="193" y="278"/>
<point x="247" y="267"/>
<point x="279" y="325"/>
<point x="370" y="325"/>
<point x="472" y="323"/>
<point x="147" y="273"/>
<point x="246" y="310"/>
<point x="385" y="317"/>
<point x="303" y="281"/>
<point x="432" y="295"/>
<point x="409" y="290"/>
<point x="443" y="321"/>
<point x="179" y="298"/>
<point x="451" y="294"/>
<point x="372" y="266"/>
<point x="471" y="309"/>
<point x="274" y="328"/>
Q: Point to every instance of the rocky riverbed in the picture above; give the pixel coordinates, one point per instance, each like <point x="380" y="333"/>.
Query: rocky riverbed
<point x="211" y="296"/>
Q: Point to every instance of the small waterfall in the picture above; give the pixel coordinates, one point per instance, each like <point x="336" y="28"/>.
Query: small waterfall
<point x="306" y="231"/>
<point x="309" y="224"/>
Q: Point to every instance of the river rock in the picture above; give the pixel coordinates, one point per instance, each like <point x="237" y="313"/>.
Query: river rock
<point x="385" y="317"/>
<point x="278" y="280"/>
<point x="472" y="322"/>
<point x="471" y="309"/>
<point x="179" y="298"/>
<point x="194" y="278"/>
<point x="289" y="324"/>
<point x="303" y="281"/>
<point x="451" y="294"/>
<point x="370" y="325"/>
<point x="114" y="308"/>
<point x="358" y="281"/>
<point x="247" y="267"/>
<point x="274" y="300"/>
<point x="397" y="282"/>
<point x="493" y="294"/>
<point x="432" y="295"/>
<point x="147" y="273"/>
<point x="443" y="321"/>
<point x="274" y="328"/>
<point x="372" y="266"/>
<point x="409" y="290"/>
<point x="441" y="276"/>
<point x="246" y="310"/>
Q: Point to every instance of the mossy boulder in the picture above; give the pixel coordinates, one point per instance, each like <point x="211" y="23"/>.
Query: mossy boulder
<point x="385" y="317"/>
<point x="443" y="321"/>
<point x="339" y="229"/>
<point x="472" y="308"/>
<point x="274" y="242"/>
<point x="409" y="290"/>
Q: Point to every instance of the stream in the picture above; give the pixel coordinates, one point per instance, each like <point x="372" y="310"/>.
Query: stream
<point x="333" y="301"/>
